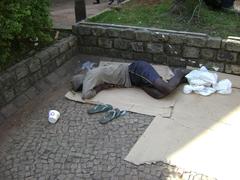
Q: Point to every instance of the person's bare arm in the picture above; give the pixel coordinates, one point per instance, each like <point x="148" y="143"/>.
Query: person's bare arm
<point x="97" y="89"/>
<point x="103" y="86"/>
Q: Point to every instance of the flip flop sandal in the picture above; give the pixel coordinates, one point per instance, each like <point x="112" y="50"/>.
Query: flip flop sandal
<point x="100" y="108"/>
<point x="112" y="114"/>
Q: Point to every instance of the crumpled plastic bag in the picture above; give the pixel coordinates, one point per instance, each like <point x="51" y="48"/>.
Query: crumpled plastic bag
<point x="202" y="77"/>
<point x="202" y="90"/>
<point x="206" y="83"/>
<point x="224" y="87"/>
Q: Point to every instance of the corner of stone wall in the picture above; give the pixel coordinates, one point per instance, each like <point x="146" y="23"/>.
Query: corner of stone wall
<point x="16" y="83"/>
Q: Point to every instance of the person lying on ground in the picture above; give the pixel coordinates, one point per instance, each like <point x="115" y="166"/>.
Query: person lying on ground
<point x="139" y="74"/>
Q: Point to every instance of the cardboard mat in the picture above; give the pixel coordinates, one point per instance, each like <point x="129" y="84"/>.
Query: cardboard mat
<point x="202" y="136"/>
<point x="130" y="99"/>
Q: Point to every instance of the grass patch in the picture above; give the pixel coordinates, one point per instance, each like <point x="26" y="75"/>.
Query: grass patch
<point x="214" y="23"/>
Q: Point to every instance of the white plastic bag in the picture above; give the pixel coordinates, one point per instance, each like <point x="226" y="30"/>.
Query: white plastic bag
<point x="202" y="77"/>
<point x="224" y="87"/>
<point x="202" y="90"/>
<point x="205" y="83"/>
<point x="206" y="91"/>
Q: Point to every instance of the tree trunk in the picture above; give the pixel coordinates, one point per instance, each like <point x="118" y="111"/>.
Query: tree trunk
<point x="80" y="10"/>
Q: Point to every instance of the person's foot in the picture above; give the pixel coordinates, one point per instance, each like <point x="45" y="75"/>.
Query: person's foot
<point x="180" y="71"/>
<point x="184" y="80"/>
<point x="186" y="71"/>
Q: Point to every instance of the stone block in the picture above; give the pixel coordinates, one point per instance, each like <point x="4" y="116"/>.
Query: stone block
<point x="143" y="56"/>
<point x="72" y="41"/>
<point x="70" y="53"/>
<point x="160" y="37"/>
<point x="155" y="48"/>
<point x="235" y="69"/>
<point x="75" y="29"/>
<point x="9" y="94"/>
<point x="1" y="84"/>
<point x="223" y="43"/>
<point x="44" y="57"/>
<point x="191" y="52"/>
<point x="233" y="45"/>
<point x="73" y="51"/>
<point x="21" y="70"/>
<point x="113" y="32"/>
<point x="238" y="60"/>
<point x="35" y="77"/>
<point x="113" y="53"/>
<point x="85" y="50"/>
<point x="128" y="34"/>
<point x="127" y="55"/>
<point x="8" y="79"/>
<point x="32" y="92"/>
<point x="227" y="56"/>
<point x="121" y="44"/>
<point x="33" y="64"/>
<point x="90" y="41"/>
<point x="44" y="72"/>
<point x="20" y="100"/>
<point x="8" y="110"/>
<point x="92" y="50"/>
<point x="53" y="51"/>
<point x="137" y="46"/>
<point x="160" y="58"/>
<point x="98" y="31"/>
<point x="173" y="50"/>
<point x="143" y="35"/>
<point x="209" y="54"/>
<point x="176" y="61"/>
<point x="84" y="30"/>
<point x="60" y="60"/>
<point x="228" y="68"/>
<point x="52" y="66"/>
<point x="22" y="85"/>
<point x="215" y="65"/>
<point x="105" y="43"/>
<point x="63" y="46"/>
<point x="196" y="41"/>
<point x="177" y="39"/>
<point x="214" y="42"/>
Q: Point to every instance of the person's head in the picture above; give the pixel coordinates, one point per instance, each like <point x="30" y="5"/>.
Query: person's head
<point x="77" y="82"/>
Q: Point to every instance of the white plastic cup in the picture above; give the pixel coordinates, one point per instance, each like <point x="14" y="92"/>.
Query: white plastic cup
<point x="53" y="116"/>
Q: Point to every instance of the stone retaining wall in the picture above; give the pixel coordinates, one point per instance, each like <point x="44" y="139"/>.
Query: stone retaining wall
<point x="19" y="78"/>
<point x="159" y="46"/>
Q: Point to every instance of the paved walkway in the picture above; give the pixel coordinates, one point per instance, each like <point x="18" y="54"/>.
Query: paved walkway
<point x="63" y="16"/>
<point x="77" y="146"/>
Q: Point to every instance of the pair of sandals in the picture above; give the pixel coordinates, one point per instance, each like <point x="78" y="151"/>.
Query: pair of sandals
<point x="111" y="113"/>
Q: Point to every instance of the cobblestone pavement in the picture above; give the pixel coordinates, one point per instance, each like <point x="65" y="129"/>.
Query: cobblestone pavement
<point x="77" y="146"/>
